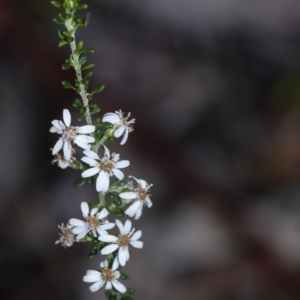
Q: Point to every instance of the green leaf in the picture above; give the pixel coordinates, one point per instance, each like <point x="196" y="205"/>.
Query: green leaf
<point x="57" y="21"/>
<point x="124" y="276"/>
<point x="108" y="294"/>
<point x="88" y="75"/>
<point x="93" y="253"/>
<point x="77" y="103"/>
<point x="126" y="298"/>
<point x="65" y="66"/>
<point x="82" y="60"/>
<point x="118" y="213"/>
<point x="82" y="109"/>
<point x="80" y="118"/>
<point x="97" y="121"/>
<point x="98" y="89"/>
<point x="88" y="66"/>
<point x="130" y="291"/>
<point x="62" y="43"/>
<point x="90" y="180"/>
<point x="67" y="85"/>
<point x="79" y="46"/>
<point x="80" y="182"/>
<point x="95" y="110"/>
<point x="56" y="4"/>
<point x="81" y="6"/>
<point x="89" y="50"/>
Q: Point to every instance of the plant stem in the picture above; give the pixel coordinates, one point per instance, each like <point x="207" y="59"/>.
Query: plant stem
<point x="77" y="67"/>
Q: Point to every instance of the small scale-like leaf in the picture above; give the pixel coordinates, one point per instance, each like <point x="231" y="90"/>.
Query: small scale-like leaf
<point x="81" y="6"/>
<point x="89" y="50"/>
<point x="93" y="254"/>
<point x="82" y="60"/>
<point x="62" y="43"/>
<point x="130" y="291"/>
<point x="88" y="75"/>
<point x="124" y="276"/>
<point x="82" y="109"/>
<point x="65" y="66"/>
<point x="98" y="89"/>
<point x="57" y="21"/>
<point x="56" y="4"/>
<point x="79" y="46"/>
<point x="80" y="118"/>
<point x="80" y="182"/>
<point x="67" y="85"/>
<point x="95" y="110"/>
<point x="87" y="66"/>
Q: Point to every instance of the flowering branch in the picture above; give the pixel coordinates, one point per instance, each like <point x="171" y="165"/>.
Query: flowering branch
<point x="115" y="195"/>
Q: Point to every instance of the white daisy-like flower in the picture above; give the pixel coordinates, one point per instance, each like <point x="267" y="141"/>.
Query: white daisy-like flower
<point x="104" y="276"/>
<point x="122" y="241"/>
<point x="121" y="124"/>
<point x="71" y="134"/>
<point x="60" y="160"/>
<point x="105" y="166"/>
<point x="66" y="237"/>
<point x="139" y="195"/>
<point x="93" y="222"/>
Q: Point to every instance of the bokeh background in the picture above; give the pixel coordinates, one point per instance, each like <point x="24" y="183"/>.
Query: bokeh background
<point x="214" y="86"/>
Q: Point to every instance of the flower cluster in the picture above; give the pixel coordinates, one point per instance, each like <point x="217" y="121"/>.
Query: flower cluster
<point x="100" y="224"/>
<point x="95" y="224"/>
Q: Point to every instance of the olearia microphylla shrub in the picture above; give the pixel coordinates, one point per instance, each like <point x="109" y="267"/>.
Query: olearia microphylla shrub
<point x="85" y="148"/>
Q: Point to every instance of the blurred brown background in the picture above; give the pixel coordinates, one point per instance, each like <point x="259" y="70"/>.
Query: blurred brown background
<point x="214" y="86"/>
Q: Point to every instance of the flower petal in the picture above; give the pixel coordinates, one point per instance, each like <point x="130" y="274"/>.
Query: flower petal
<point x="57" y="146"/>
<point x="137" y="244"/>
<point x="76" y="222"/>
<point x="111" y="118"/>
<point x="96" y="286"/>
<point x="107" y="226"/>
<point x="128" y="195"/>
<point x="138" y="214"/>
<point x="80" y="229"/>
<point x="120" y="226"/>
<point x="67" y="117"/>
<point x="94" y="211"/>
<point x="103" y="213"/>
<point x="91" y="154"/>
<point x="84" y="208"/>
<point x="119" y="131"/>
<point x="115" y="264"/>
<point x="86" y="129"/>
<point x="102" y="183"/>
<point x="136" y="235"/>
<point x="119" y="286"/>
<point x="133" y="208"/>
<point x="119" y="174"/>
<point x="107" y="238"/>
<point x="122" y="164"/>
<point x="84" y="138"/>
<point x="109" y="249"/>
<point x="90" y="172"/>
<point x="125" y="137"/>
<point x="122" y="256"/>
<point x="127" y="226"/>
<point x="67" y="151"/>
<point x="92" y="277"/>
<point x="82" y="144"/>
<point x="89" y="161"/>
<point x="108" y="286"/>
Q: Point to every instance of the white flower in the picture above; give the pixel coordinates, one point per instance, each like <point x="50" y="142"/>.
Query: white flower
<point x="105" y="166"/>
<point x="140" y="195"/>
<point x="60" y="159"/>
<point x="126" y="237"/>
<point x="71" y="134"/>
<point x="121" y="124"/>
<point x="105" y="276"/>
<point x="94" y="222"/>
<point x="66" y="237"/>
